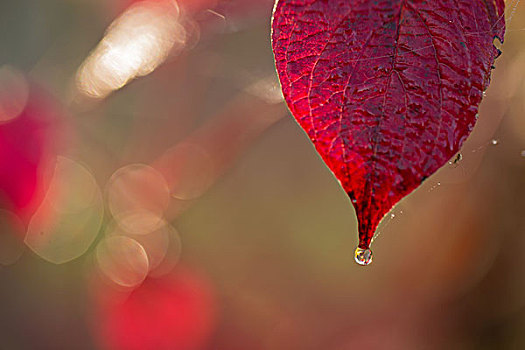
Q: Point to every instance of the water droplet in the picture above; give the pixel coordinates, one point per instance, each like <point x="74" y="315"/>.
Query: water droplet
<point x="354" y="200"/>
<point x="456" y="159"/>
<point x="494" y="142"/>
<point x="484" y="94"/>
<point x="363" y="256"/>
<point x="392" y="215"/>
<point x="436" y="185"/>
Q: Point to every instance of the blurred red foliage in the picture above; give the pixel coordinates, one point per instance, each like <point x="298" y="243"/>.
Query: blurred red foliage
<point x="28" y="146"/>
<point x="176" y="311"/>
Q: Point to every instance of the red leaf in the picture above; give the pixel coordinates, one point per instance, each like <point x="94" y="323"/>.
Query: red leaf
<point x="386" y="90"/>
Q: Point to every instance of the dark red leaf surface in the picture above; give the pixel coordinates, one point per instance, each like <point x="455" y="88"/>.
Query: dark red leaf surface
<point x="386" y="90"/>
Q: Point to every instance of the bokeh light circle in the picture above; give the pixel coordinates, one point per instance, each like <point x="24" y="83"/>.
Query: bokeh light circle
<point x="14" y="93"/>
<point x="122" y="260"/>
<point x="70" y="216"/>
<point x="137" y="197"/>
<point x="190" y="171"/>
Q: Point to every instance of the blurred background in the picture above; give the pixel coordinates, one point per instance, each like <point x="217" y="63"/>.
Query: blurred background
<point x="155" y="193"/>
